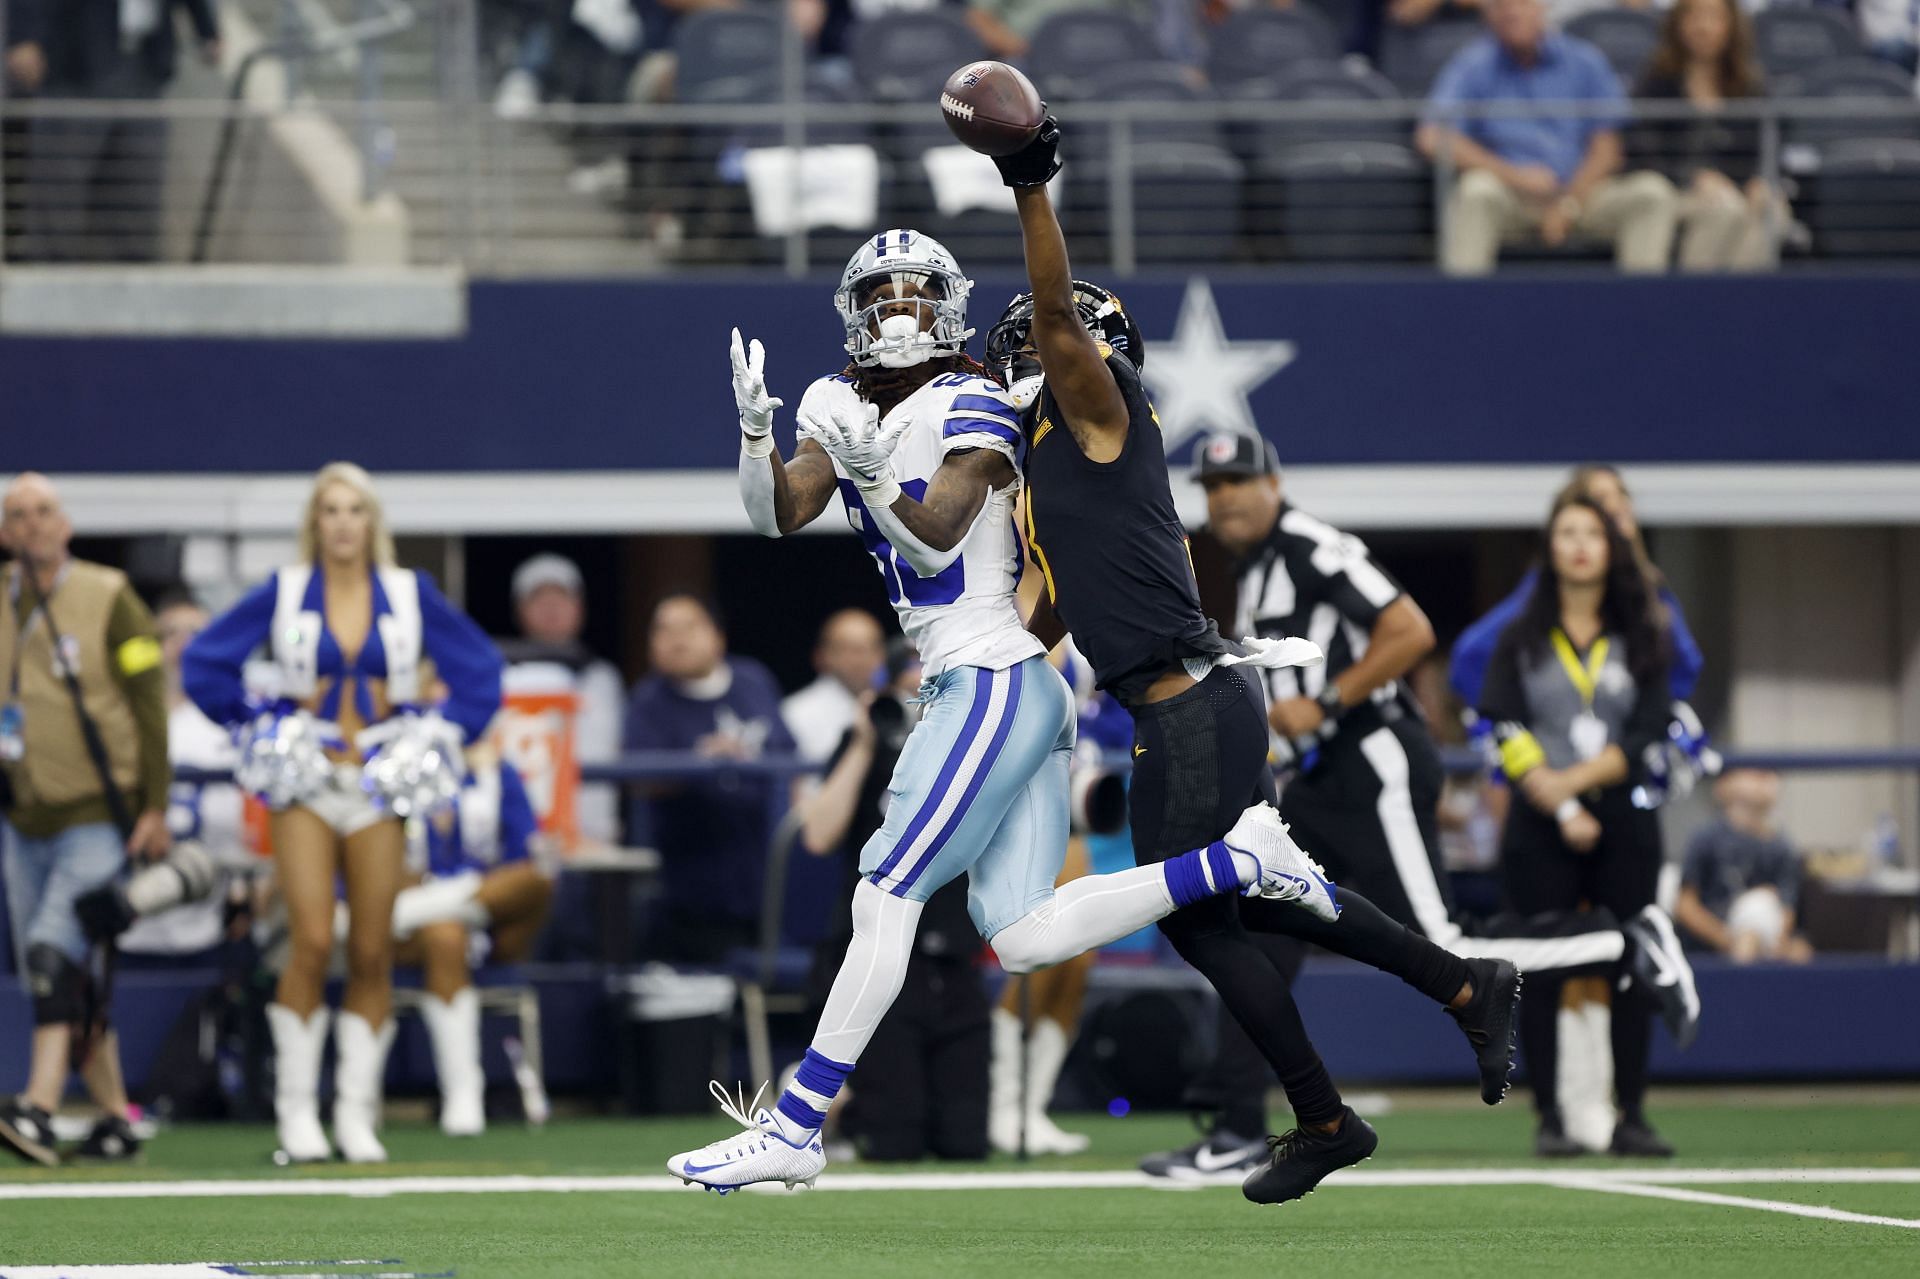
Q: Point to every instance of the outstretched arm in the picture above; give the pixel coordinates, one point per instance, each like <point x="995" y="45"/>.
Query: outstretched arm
<point x="1076" y="370"/>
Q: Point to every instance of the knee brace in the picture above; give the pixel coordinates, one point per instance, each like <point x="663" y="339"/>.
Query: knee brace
<point x="58" y="986"/>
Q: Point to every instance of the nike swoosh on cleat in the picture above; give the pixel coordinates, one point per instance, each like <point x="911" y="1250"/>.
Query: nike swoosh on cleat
<point x="1207" y="1161"/>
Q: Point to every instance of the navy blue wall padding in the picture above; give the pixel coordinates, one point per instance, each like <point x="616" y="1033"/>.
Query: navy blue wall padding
<point x="1404" y="367"/>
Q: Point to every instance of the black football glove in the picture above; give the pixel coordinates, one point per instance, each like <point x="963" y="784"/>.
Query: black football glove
<point x="1035" y="163"/>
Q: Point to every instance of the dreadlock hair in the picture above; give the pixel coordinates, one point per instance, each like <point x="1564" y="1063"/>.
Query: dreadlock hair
<point x="887" y="387"/>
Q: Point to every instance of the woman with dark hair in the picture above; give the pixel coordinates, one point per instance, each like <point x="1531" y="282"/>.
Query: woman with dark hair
<point x="1730" y="218"/>
<point x="1577" y="690"/>
<point x="1467" y="667"/>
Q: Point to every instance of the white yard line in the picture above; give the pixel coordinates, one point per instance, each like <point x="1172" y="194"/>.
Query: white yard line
<point x="1734" y="1201"/>
<point x="1649" y="1182"/>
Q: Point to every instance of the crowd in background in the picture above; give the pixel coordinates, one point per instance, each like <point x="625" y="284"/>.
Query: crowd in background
<point x="1698" y="188"/>
<point x="479" y="878"/>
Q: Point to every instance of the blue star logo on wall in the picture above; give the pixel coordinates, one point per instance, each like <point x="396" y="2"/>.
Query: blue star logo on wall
<point x="1200" y="380"/>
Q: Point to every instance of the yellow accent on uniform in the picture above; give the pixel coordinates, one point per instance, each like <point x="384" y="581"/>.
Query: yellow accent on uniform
<point x="1138" y="751"/>
<point x="1521" y="754"/>
<point x="1033" y="542"/>
<point x="1040" y="432"/>
<point x="138" y="655"/>
<point x="1105" y="350"/>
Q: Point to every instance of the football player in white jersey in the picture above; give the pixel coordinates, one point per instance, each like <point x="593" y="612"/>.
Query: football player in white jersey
<point x="923" y="447"/>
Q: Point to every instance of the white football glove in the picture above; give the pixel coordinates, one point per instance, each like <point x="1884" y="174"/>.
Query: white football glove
<point x="852" y="435"/>
<point x="1272" y="654"/>
<point x="751" y="398"/>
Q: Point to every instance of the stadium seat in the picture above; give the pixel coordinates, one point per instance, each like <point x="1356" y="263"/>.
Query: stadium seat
<point x="1153" y="82"/>
<point x="716" y="49"/>
<point x="1070" y="49"/>
<point x="1186" y="184"/>
<point x="1260" y="42"/>
<point x="1347" y="199"/>
<point x="1626" y="36"/>
<point x="907" y="56"/>
<point x="1412" y="57"/>
<point x="1328" y="85"/>
<point x="1790" y="41"/>
<point x="1863" y="79"/>
<point x="1864" y="201"/>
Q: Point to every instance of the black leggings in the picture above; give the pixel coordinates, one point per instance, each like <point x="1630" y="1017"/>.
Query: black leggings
<point x="1200" y="759"/>
<point x="1621" y="875"/>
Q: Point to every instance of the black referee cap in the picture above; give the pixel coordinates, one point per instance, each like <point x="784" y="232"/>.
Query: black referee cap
<point x="1231" y="453"/>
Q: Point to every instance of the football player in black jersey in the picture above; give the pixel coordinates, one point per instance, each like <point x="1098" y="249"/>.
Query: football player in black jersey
<point x="1102" y="529"/>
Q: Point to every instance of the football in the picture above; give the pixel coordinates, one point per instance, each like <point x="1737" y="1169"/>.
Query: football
<point x="992" y="108"/>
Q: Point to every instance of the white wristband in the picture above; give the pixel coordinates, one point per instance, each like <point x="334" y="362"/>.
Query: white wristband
<point x="755" y="446"/>
<point x="1569" y="809"/>
<point x="881" y="496"/>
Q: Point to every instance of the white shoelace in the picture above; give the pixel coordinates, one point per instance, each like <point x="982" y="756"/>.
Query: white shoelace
<point x="742" y="1112"/>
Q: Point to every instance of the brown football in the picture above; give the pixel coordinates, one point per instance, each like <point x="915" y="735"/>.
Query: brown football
<point x="992" y="108"/>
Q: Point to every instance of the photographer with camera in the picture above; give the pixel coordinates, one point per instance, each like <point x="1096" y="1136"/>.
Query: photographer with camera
<point x="83" y="746"/>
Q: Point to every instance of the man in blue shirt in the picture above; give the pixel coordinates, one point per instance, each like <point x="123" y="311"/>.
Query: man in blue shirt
<point x="712" y="833"/>
<point x="1543" y="176"/>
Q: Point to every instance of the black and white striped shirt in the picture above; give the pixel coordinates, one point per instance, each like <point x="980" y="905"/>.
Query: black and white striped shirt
<point x="1310" y="579"/>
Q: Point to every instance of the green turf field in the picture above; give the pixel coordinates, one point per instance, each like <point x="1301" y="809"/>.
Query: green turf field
<point x="1407" y="1213"/>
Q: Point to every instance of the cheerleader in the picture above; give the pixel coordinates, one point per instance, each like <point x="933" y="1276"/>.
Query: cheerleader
<point x="346" y="632"/>
<point x="484" y="894"/>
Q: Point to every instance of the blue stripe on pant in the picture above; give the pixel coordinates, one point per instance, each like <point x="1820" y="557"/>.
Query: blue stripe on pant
<point x="981" y="787"/>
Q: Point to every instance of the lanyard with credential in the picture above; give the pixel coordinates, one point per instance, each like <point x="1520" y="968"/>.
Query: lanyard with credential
<point x="1584" y="676"/>
<point x="40" y="605"/>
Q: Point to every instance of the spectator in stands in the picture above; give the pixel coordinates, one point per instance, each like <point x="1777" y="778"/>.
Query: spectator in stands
<point x="922" y="1087"/>
<point x="1729" y="216"/>
<point x="550" y="604"/>
<point x="1007" y="26"/>
<point x="849" y="655"/>
<point x="212" y="814"/>
<point x="1740" y="884"/>
<point x="712" y="832"/>
<point x="1372" y="17"/>
<point x="1541" y="177"/>
<point x="94" y="182"/>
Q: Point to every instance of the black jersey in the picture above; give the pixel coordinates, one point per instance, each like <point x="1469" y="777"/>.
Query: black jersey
<point x="1107" y="539"/>
<point x="1309" y="578"/>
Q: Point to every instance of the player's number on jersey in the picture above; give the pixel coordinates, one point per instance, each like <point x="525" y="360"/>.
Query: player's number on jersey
<point x="902" y="582"/>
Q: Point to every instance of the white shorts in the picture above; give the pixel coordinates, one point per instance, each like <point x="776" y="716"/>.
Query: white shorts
<point x="343" y="805"/>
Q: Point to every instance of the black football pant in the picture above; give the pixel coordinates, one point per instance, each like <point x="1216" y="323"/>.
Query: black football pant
<point x="1200" y="759"/>
<point x="1620" y="875"/>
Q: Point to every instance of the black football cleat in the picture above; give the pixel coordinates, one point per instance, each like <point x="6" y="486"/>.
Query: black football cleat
<point x="1300" y="1158"/>
<point x="112" y="1138"/>
<point x="27" y="1131"/>
<point x="1636" y="1139"/>
<point x="1489" y="1021"/>
<point x="1220" y="1152"/>
<point x="1659" y="966"/>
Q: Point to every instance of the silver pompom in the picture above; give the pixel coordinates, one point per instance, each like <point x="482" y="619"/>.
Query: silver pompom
<point x="283" y="757"/>
<point x="415" y="763"/>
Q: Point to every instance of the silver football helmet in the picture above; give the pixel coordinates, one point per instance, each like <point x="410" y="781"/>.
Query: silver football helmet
<point x="901" y="340"/>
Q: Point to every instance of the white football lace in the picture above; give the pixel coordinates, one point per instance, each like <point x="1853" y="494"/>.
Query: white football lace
<point x="741" y="1112"/>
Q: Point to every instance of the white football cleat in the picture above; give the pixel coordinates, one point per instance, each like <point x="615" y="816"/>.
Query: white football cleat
<point x="763" y="1152"/>
<point x="1286" y="873"/>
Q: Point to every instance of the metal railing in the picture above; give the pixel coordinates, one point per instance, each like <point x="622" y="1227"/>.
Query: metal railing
<point x="787" y="186"/>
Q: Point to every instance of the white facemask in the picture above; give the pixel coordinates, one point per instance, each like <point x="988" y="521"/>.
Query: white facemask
<point x="901" y="344"/>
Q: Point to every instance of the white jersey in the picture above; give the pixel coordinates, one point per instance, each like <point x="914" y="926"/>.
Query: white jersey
<point x="965" y="615"/>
